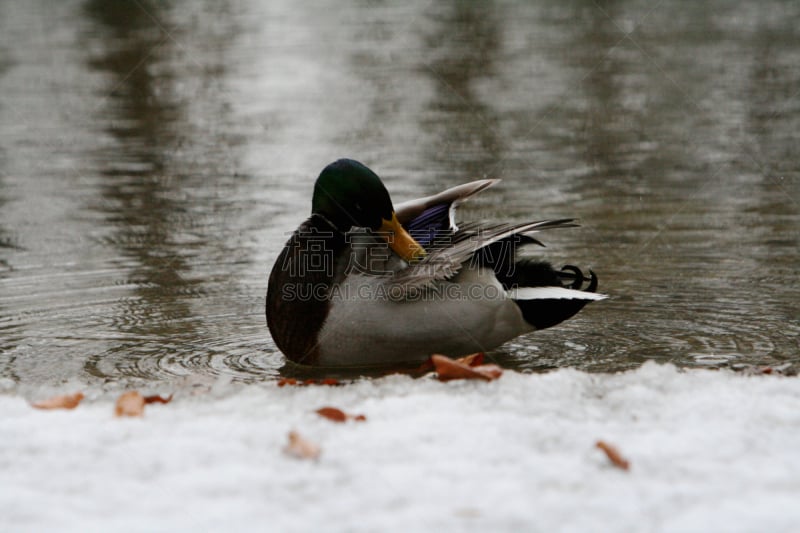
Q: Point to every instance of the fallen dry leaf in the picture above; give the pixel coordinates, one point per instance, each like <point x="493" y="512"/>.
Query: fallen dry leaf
<point x="423" y="369"/>
<point x="301" y="448"/>
<point x="448" y="369"/>
<point x="428" y="366"/>
<point x="785" y="369"/>
<point x="337" y="415"/>
<point x="293" y="381"/>
<point x="332" y="413"/>
<point x="493" y="371"/>
<point x="67" y="401"/>
<point x="613" y="455"/>
<point x="326" y="381"/>
<point x="157" y="399"/>
<point x="475" y="359"/>
<point x="130" y="403"/>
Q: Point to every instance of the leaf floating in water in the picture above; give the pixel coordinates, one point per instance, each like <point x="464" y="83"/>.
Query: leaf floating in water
<point x="301" y="448"/>
<point x="67" y="401"/>
<point x="130" y="403"/>
<point x="449" y="369"/>
<point x="337" y="415"/>
<point x="613" y="455"/>
<point x="157" y="399"/>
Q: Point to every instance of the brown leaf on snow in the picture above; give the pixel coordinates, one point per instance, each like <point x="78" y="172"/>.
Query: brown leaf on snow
<point x="301" y="448"/>
<point x="427" y="366"/>
<point x="448" y="369"/>
<point x="67" y="401"/>
<point x="327" y="381"/>
<point x="337" y="415"/>
<point x="785" y="369"/>
<point x="493" y="371"/>
<point x="157" y="399"/>
<point x="130" y="403"/>
<point x="293" y="381"/>
<point x="475" y="359"/>
<point x="613" y="455"/>
<point x="423" y="369"/>
<point x="332" y="413"/>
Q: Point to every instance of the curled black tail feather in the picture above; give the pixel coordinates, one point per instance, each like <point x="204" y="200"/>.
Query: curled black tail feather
<point x="576" y="275"/>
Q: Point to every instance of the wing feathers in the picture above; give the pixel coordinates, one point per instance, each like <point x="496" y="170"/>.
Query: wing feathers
<point x="445" y="260"/>
<point x="552" y="293"/>
<point x="408" y="211"/>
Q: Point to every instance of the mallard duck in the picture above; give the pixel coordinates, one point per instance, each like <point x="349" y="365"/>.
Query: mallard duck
<point x="363" y="282"/>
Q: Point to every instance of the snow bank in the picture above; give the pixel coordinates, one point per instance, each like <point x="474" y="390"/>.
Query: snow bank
<point x="709" y="450"/>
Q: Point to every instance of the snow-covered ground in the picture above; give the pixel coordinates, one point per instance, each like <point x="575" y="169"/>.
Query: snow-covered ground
<point x="709" y="451"/>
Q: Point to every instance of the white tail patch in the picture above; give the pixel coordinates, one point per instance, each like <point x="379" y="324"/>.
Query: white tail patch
<point x="552" y="293"/>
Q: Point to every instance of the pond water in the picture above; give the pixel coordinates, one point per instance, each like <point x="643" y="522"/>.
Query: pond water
<point x="155" y="155"/>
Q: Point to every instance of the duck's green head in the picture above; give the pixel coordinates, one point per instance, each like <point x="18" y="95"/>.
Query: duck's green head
<point x="348" y="194"/>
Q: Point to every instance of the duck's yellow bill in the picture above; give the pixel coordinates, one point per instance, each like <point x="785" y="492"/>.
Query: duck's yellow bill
<point x="400" y="241"/>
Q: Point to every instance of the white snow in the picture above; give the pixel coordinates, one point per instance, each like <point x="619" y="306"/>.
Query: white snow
<point x="709" y="451"/>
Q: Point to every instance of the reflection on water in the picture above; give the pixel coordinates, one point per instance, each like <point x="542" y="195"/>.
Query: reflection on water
<point x="153" y="157"/>
<point x="460" y="47"/>
<point x="140" y="192"/>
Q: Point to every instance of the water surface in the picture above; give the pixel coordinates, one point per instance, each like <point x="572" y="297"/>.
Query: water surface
<point x="154" y="156"/>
